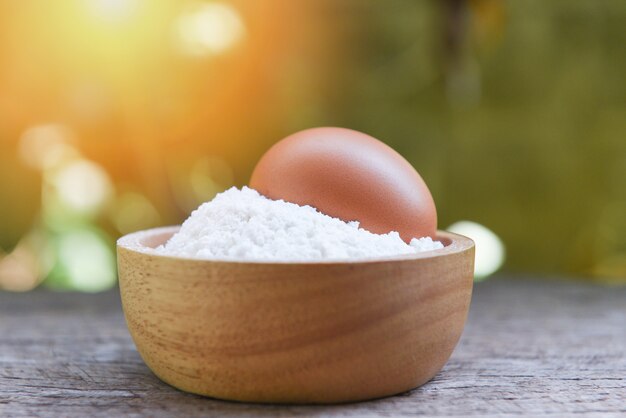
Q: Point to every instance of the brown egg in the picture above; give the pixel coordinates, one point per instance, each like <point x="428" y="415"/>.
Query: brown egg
<point x="348" y="175"/>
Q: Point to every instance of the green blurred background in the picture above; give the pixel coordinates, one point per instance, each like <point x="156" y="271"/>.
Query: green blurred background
<point x="119" y="115"/>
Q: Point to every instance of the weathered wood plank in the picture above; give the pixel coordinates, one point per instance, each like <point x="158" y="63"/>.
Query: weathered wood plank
<point x="530" y="348"/>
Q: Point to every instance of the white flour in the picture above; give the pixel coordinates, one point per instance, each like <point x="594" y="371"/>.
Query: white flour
<point x="243" y="225"/>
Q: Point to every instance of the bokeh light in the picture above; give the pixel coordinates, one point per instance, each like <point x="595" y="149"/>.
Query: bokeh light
<point x="208" y="177"/>
<point x="46" y="146"/>
<point x="26" y="265"/>
<point x="18" y="270"/>
<point x="82" y="185"/>
<point x="490" y="252"/>
<point x="209" y="28"/>
<point x="132" y="212"/>
<point x="85" y="261"/>
<point x="199" y="181"/>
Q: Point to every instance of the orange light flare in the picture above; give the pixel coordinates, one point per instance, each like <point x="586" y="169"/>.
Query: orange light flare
<point x="141" y="80"/>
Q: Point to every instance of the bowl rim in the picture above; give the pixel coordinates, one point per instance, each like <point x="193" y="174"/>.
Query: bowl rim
<point x="133" y="242"/>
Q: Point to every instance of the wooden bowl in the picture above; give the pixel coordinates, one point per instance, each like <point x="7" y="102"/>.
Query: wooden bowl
<point x="318" y="332"/>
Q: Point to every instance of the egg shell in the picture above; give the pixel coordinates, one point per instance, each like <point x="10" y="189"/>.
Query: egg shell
<point x="348" y="175"/>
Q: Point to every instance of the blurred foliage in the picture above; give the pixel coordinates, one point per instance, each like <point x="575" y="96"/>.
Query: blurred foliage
<point x="125" y="114"/>
<point x="513" y="112"/>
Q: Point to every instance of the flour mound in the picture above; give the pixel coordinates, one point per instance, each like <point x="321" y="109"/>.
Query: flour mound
<point x="246" y="226"/>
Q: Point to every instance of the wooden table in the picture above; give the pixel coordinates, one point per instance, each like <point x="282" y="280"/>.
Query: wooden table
<point x="531" y="348"/>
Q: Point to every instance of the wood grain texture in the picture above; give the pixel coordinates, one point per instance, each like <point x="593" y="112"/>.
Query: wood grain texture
<point x="536" y="349"/>
<point x="323" y="332"/>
